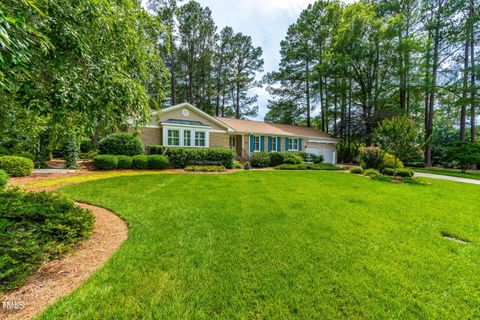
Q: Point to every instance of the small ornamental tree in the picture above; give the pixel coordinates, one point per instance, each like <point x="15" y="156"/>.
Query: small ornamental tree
<point x="399" y="136"/>
<point x="370" y="157"/>
<point x="466" y="155"/>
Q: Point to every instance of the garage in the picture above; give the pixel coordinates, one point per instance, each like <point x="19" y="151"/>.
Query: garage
<point x="325" y="148"/>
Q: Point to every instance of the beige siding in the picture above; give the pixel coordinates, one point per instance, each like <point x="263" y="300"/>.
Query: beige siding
<point x="151" y="136"/>
<point x="193" y="116"/>
<point x="219" y="140"/>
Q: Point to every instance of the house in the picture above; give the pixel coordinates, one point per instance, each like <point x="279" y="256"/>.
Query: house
<point x="186" y="126"/>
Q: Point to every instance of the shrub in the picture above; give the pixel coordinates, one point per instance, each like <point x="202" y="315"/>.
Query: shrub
<point x="16" y="166"/>
<point x="277" y="158"/>
<point x="317" y="159"/>
<point x="388" y="171"/>
<point x="89" y="155"/>
<point x="370" y="157"/>
<point x="124" y="162"/>
<point x="237" y="165"/>
<point x="157" y="162"/>
<point x="24" y="154"/>
<point x="356" y="170"/>
<point x="70" y="154"/>
<point x="182" y="157"/>
<point x="390" y="161"/>
<point x="372" y="173"/>
<point x="260" y="160"/>
<point x="292" y="159"/>
<point x="121" y="144"/>
<point x="323" y="166"/>
<point x="140" y="162"/>
<point x="86" y="146"/>
<point x="105" y="162"/>
<point x="287" y="166"/>
<point x="206" y="169"/>
<point x="416" y="164"/>
<point x="406" y="173"/>
<point x="37" y="227"/>
<point x="3" y="180"/>
<point x="465" y="154"/>
<point x="156" y="149"/>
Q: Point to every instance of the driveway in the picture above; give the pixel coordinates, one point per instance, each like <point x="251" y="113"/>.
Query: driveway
<point x="448" y="178"/>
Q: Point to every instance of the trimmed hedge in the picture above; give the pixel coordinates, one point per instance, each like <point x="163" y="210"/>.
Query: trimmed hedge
<point x="260" y="160"/>
<point x="278" y="158"/>
<point x="157" y="162"/>
<point x="122" y="143"/>
<point x="183" y="157"/>
<point x="405" y="173"/>
<point x="205" y="169"/>
<point x="140" y="162"/>
<point x="16" y="166"/>
<point x="302" y="166"/>
<point x="388" y="171"/>
<point x="37" y="227"/>
<point x="3" y="180"/>
<point x="105" y="162"/>
<point x="124" y="162"/>
<point x="356" y="170"/>
<point x="287" y="166"/>
<point x="372" y="173"/>
<point x="415" y="164"/>
<point x="156" y="149"/>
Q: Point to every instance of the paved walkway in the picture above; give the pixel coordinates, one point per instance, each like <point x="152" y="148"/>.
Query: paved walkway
<point x="47" y="171"/>
<point x="448" y="178"/>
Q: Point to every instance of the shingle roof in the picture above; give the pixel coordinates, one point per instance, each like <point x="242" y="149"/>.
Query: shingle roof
<point x="250" y="126"/>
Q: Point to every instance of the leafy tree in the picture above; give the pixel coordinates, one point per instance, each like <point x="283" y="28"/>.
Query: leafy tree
<point x="466" y="154"/>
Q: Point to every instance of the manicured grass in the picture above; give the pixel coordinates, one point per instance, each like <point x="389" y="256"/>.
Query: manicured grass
<point x="276" y="245"/>
<point x="452" y="173"/>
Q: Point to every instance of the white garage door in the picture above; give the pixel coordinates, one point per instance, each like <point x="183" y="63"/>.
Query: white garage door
<point x="328" y="156"/>
<point x="314" y="151"/>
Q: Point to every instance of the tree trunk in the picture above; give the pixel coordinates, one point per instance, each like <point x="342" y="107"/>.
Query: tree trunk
<point x="237" y="103"/>
<point x="463" y="111"/>
<point x="473" y="88"/>
<point x="307" y="75"/>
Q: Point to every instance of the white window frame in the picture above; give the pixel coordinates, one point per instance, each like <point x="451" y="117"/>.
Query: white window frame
<point x="274" y="141"/>
<point x="179" y="137"/>
<point x="204" y="139"/>
<point x="293" y="146"/>
<point x="189" y="140"/>
<point x="255" y="142"/>
<point x="182" y="131"/>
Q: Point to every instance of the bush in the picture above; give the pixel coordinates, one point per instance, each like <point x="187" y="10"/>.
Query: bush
<point x="260" y="160"/>
<point x="86" y="146"/>
<point x="356" y="170"/>
<point x="372" y="173"/>
<point x="465" y="154"/>
<point x="416" y="164"/>
<point x="388" y="171"/>
<point x="124" y="162"/>
<point x="206" y="169"/>
<point x="292" y="159"/>
<point x="157" y="162"/>
<point x="37" y="227"/>
<point x="156" y="149"/>
<point x="70" y="154"/>
<point x="291" y="167"/>
<point x="140" y="162"/>
<point x="405" y="173"/>
<point x="3" y="180"/>
<point x="237" y="165"/>
<point x="16" y="166"/>
<point x="121" y="144"/>
<point x="89" y="155"/>
<point x="277" y="158"/>
<point x="182" y="157"/>
<point x="323" y="166"/>
<point x="390" y="161"/>
<point x="370" y="157"/>
<point x="105" y="162"/>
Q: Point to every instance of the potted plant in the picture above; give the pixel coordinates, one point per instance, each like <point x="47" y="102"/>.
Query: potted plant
<point x="247" y="166"/>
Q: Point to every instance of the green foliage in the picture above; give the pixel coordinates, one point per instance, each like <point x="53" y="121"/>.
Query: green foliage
<point x="406" y="173"/>
<point x="388" y="171"/>
<point x="86" y="146"/>
<point x="206" y="169"/>
<point x="390" y="161"/>
<point x="370" y="157"/>
<point x="156" y="149"/>
<point x="3" y="180"/>
<point x="36" y="227"/>
<point x="157" y="162"/>
<point x="182" y="157"/>
<point x="288" y="166"/>
<point x="416" y="164"/>
<point x="89" y="155"/>
<point x="126" y="144"/>
<point x="105" y="162"/>
<point x="372" y="173"/>
<point x="237" y="165"/>
<point x="292" y="159"/>
<point x="140" y="162"/>
<point x="260" y="160"/>
<point x="465" y="154"/>
<point x="399" y="136"/>
<point x="124" y="162"/>
<point x="356" y="170"/>
<point x="70" y="154"/>
<point x="302" y="166"/>
<point x="16" y="166"/>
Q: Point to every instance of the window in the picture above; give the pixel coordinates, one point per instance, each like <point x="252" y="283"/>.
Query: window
<point x="187" y="138"/>
<point x="233" y="141"/>
<point x="174" y="138"/>
<point x="293" y="144"/>
<point x="274" y="144"/>
<point x="256" y="143"/>
<point x="199" y="139"/>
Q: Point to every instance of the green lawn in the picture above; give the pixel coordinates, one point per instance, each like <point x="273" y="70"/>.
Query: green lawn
<point x="276" y="245"/>
<point x="453" y="173"/>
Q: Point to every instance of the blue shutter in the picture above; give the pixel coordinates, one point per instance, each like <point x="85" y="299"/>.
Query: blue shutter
<point x="279" y="144"/>
<point x="286" y="143"/>
<point x="300" y="144"/>
<point x="252" y="144"/>
<point x="262" y="143"/>
<point x="269" y="144"/>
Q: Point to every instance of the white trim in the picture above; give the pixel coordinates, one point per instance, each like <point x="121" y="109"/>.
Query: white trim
<point x="167" y="124"/>
<point x="259" y="144"/>
<point x="182" y="142"/>
<point x="276" y="144"/>
<point x="332" y="141"/>
<point x="195" y="109"/>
